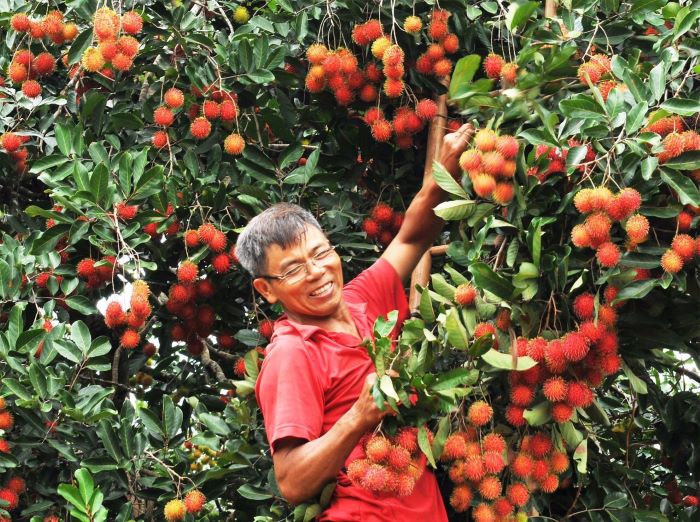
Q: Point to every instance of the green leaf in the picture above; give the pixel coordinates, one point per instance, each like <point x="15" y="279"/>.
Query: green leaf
<point x="253" y="492"/>
<point x="108" y="436"/>
<point x="215" y="424"/>
<point x="486" y="279"/>
<point x="505" y="361"/>
<point x="17" y="388"/>
<point x="45" y="163"/>
<point x="518" y="14"/>
<point x="637" y="384"/>
<point x="455" y="210"/>
<point x="685" y="20"/>
<point x="387" y="386"/>
<point x="685" y="187"/>
<point x="644" y="6"/>
<point x="635" y="117"/>
<point x="457" y="334"/>
<point x="657" y="81"/>
<point x="687" y="161"/>
<point x="85" y="484"/>
<point x="99" y="183"/>
<point x="446" y="181"/>
<point x="454" y="378"/>
<point x="681" y="106"/>
<point x="538" y="415"/>
<point x="581" y="456"/>
<point x="71" y="494"/>
<point x="582" y="107"/>
<point x="172" y="417"/>
<point x="64" y="138"/>
<point x="79" y="45"/>
<point x="636" y="290"/>
<point x="82" y="304"/>
<point x="424" y="445"/>
<point x="615" y="500"/>
<point x="648" y="516"/>
<point x="80" y="334"/>
<point x="68" y="350"/>
<point x="426" y="306"/>
<point x="47" y="240"/>
<point x="463" y="73"/>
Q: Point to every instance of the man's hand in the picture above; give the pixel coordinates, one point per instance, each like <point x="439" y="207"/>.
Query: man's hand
<point x="453" y="145"/>
<point x="365" y="411"/>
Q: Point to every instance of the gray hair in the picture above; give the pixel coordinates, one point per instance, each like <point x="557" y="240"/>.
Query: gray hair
<point x="282" y="224"/>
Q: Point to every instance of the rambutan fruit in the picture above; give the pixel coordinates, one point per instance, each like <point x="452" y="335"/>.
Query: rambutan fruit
<point x="492" y="163"/>
<point x="424" y="64"/>
<point x="555" y="389"/>
<point x="221" y="263"/>
<point x="630" y="199"/>
<point x="368" y="93"/>
<point x="211" y="110"/>
<point x="455" y="447"/>
<point x="200" y="128"/>
<point x="266" y="327"/>
<point x="598" y="228"/>
<point x="549" y="484"/>
<point x="507" y="146"/>
<point x="24" y="57"/>
<point x="373" y="29"/>
<point x="485" y="140"/>
<point x="470" y="160"/>
<point x="382" y="214"/>
<point x="381" y="130"/>
<point x="518" y="494"/>
<point x="609" y="364"/>
<point x="465" y="294"/>
<point x="128" y="45"/>
<point x="482" y="329"/>
<point x="372" y="115"/>
<point x="20" y="22"/>
<point x="187" y="271"/>
<point x="575" y="346"/>
<point x="126" y="212"/>
<point x="426" y="109"/>
<point x="461" y="498"/>
<point x="671" y="261"/>
<point x="92" y="59"/>
<point x="579" y="395"/>
<point x="559" y="462"/>
<point x="9" y="496"/>
<point x="194" y="501"/>
<point x="229" y="110"/>
<point x="132" y="23"/>
<point x="561" y="412"/>
<point x="509" y="73"/>
<point x="540" y="445"/>
<point x="442" y="67"/>
<point x="514" y="415"/>
<point x="450" y="43"/>
<point x="85" y="268"/>
<point x="371" y="228"/>
<point x="480" y="413"/>
<point x="114" y="315"/>
<point x="503" y="193"/>
<point x="163" y="116"/>
<point x="399" y="458"/>
<point x="357" y="469"/>
<point x="584" y="306"/>
<point x="582" y="200"/>
<point x="393" y="88"/>
<point x="684" y="246"/>
<point x="175" y="510"/>
<point x="435" y="52"/>
<point x="608" y="254"/>
<point x="522" y="395"/>
<point x="601" y="61"/>
<point x="493" y="462"/>
<point x="493" y="64"/>
<point x="412" y="24"/>
<point x="474" y="469"/>
<point x="588" y="72"/>
<point x="673" y="145"/>
<point x="437" y="29"/>
<point x="521" y="466"/>
<point x="554" y="357"/>
<point x="7" y="421"/>
<point x="540" y="469"/>
<point x="637" y="228"/>
<point x="44" y="64"/>
<point x="160" y="139"/>
<point x="379" y="47"/>
<point x="206" y="233"/>
<point x="376" y="478"/>
<point x="484" y="185"/>
<point x="490" y="488"/>
<point x="234" y="144"/>
<point x="4" y="446"/>
<point x="316" y="53"/>
<point x="130" y="339"/>
<point x="536" y="348"/>
<point x="17" y="72"/>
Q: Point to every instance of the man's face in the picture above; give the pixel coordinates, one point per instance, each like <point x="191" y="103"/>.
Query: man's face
<point x="317" y="294"/>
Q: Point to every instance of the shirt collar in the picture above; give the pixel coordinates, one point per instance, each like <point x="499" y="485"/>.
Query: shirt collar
<point x="284" y="325"/>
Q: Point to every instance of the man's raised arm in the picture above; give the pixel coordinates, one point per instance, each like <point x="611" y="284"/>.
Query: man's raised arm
<point x="421" y="226"/>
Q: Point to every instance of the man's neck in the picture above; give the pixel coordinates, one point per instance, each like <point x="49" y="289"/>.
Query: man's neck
<point x="342" y="321"/>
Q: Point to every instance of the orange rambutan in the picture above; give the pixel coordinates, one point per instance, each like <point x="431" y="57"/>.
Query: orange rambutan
<point x="316" y="53"/>
<point x="187" y="271"/>
<point x="671" y="261"/>
<point x="637" y="228"/>
<point x="200" y="128"/>
<point x="442" y="67"/>
<point x="493" y="442"/>
<point x="483" y="184"/>
<point x="450" y="43"/>
<point x="493" y="64"/>
<point x="412" y="24"/>
<point x="561" y="412"/>
<point x="465" y="294"/>
<point x="490" y="487"/>
<point x="474" y="468"/>
<point x="522" y="395"/>
<point x="163" y="116"/>
<point x="461" y="498"/>
<point x="130" y="339"/>
<point x="589" y="72"/>
<point x="684" y="246"/>
<point x="503" y="193"/>
<point x="20" y="22"/>
<point x="381" y="130"/>
<point x="509" y="73"/>
<point x="480" y="413"/>
<point x="555" y="389"/>
<point x="132" y="23"/>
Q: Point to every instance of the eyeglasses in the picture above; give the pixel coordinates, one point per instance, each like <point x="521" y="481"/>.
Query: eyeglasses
<point x="299" y="272"/>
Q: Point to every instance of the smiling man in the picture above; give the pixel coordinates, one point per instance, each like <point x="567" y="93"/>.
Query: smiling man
<point x="314" y="385"/>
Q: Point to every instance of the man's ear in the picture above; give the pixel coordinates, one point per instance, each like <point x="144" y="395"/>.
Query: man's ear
<point x="265" y="289"/>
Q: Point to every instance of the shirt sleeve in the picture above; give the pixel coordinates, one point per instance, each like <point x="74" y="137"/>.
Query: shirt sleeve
<point x="289" y="392"/>
<point x="381" y="288"/>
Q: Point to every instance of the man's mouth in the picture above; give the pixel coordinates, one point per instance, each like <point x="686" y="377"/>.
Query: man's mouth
<point x="323" y="290"/>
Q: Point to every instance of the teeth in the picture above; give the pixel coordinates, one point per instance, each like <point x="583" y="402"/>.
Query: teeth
<point x="322" y="290"/>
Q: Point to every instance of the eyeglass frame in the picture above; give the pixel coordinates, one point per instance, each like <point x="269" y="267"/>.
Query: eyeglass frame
<point x="304" y="266"/>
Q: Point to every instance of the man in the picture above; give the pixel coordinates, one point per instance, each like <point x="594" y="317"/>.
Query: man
<point x="314" y="385"/>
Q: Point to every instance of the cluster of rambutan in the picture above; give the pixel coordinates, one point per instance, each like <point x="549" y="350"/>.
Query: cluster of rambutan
<point x="594" y="70"/>
<point x="556" y="159"/>
<point x="383" y="224"/>
<point x="96" y="272"/>
<point x="218" y="105"/>
<point x="12" y="144"/>
<point x="676" y="143"/>
<point x="173" y="227"/>
<point x="389" y="465"/>
<point x="496" y="68"/>
<point x="603" y="209"/>
<point x="176" y="509"/>
<point x="664" y="126"/>
<point x="686" y="217"/>
<point x="116" y="45"/>
<point x="478" y="465"/>
<point x="339" y="71"/>
<point x="571" y="366"/>
<point x="405" y="122"/>
<point x="683" y="249"/>
<point x="15" y="485"/>
<point x="434" y="61"/>
<point x="134" y="319"/>
<point x="490" y="165"/>
<point x="51" y="27"/>
<point x="216" y="241"/>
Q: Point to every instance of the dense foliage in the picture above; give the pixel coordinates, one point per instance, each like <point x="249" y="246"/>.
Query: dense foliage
<point x="136" y="144"/>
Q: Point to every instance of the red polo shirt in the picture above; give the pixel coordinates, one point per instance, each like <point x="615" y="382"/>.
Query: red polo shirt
<point x="311" y="377"/>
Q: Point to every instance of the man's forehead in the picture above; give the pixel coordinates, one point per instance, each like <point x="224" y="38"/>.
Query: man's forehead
<point x="309" y="237"/>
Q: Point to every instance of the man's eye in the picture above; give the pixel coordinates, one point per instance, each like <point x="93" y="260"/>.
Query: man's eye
<point x="293" y="271"/>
